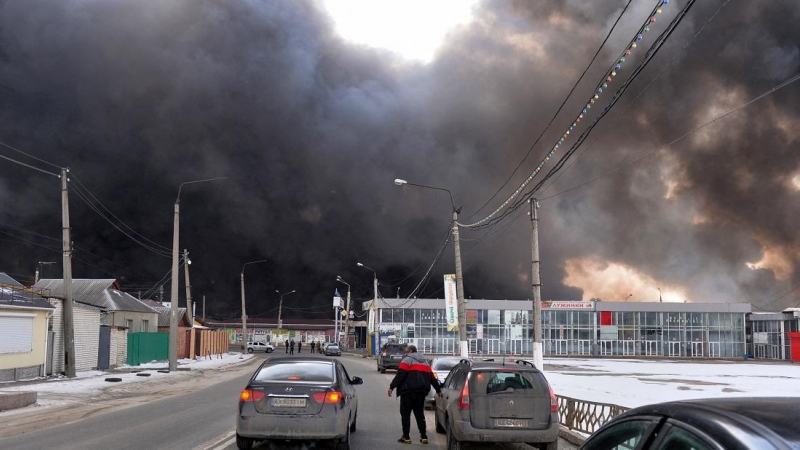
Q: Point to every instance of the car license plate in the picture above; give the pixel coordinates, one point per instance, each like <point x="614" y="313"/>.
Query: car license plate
<point x="288" y="402"/>
<point x="511" y="423"/>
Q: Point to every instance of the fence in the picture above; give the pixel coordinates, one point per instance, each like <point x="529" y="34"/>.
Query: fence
<point x="146" y="347"/>
<point x="586" y="417"/>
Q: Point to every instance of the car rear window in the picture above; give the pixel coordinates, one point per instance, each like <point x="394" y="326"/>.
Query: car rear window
<point x="296" y="371"/>
<point x="491" y="381"/>
<point x="394" y="349"/>
<point x="445" y="365"/>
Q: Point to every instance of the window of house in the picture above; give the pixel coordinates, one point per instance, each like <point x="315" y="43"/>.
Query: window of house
<point x="145" y="325"/>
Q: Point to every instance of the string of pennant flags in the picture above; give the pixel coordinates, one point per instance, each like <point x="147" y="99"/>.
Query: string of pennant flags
<point x="608" y="78"/>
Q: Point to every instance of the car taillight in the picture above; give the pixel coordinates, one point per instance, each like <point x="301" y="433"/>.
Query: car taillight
<point x="248" y="395"/>
<point x="327" y="397"/>
<point x="463" y="399"/>
<point x="553" y="399"/>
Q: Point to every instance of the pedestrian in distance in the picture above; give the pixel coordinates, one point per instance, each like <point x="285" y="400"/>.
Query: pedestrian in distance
<point x="291" y="347"/>
<point x="413" y="381"/>
<point x="312" y="346"/>
<point x="287" y="345"/>
<point x="299" y="346"/>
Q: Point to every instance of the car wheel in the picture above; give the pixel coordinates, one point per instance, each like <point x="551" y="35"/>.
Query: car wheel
<point x="243" y="443"/>
<point x="344" y="443"/>
<point x="439" y="427"/>
<point x="269" y="350"/>
<point x="249" y="350"/>
<point x="353" y="425"/>
<point x="452" y="442"/>
<point x="383" y="370"/>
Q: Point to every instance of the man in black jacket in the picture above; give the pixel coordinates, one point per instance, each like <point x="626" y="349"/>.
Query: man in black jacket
<point x="413" y="381"/>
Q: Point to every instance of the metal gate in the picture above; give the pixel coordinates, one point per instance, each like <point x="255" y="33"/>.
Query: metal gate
<point x="652" y="348"/>
<point x="104" y="348"/>
<point x="493" y="346"/>
<point x="674" y="349"/>
<point x="446" y="346"/>
<point x="627" y="348"/>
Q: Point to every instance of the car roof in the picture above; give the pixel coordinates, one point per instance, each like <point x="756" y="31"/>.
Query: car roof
<point x="492" y="364"/>
<point x="777" y="414"/>
<point x="293" y="359"/>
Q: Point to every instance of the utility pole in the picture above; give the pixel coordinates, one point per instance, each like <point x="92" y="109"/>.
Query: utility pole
<point x="189" y="310"/>
<point x="204" y="308"/>
<point x="347" y="320"/>
<point x="460" y="301"/>
<point x="536" y="286"/>
<point x="66" y="245"/>
<point x="161" y="294"/>
<point x="173" y="297"/>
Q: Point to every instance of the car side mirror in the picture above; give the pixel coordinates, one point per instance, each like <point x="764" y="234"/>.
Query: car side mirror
<point x="356" y="380"/>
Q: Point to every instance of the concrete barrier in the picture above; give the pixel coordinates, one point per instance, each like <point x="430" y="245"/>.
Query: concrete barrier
<point x="13" y="400"/>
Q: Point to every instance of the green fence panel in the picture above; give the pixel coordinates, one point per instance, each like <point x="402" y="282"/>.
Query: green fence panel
<point x="147" y="347"/>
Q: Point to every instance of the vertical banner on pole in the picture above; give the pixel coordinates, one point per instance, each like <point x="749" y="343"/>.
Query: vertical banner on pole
<point x="450" y="302"/>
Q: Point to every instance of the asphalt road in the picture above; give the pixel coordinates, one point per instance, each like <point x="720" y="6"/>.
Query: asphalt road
<point x="200" y="414"/>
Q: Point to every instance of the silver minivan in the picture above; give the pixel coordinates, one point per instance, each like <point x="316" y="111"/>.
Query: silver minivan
<point x="489" y="401"/>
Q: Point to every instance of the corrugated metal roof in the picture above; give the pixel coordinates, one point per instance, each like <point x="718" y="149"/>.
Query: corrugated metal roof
<point x="163" y="315"/>
<point x="102" y="293"/>
<point x="13" y="293"/>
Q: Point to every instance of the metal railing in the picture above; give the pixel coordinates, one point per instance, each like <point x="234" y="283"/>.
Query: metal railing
<point x="585" y="416"/>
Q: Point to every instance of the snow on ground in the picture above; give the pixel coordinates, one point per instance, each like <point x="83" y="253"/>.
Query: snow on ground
<point x="93" y="382"/>
<point x="634" y="383"/>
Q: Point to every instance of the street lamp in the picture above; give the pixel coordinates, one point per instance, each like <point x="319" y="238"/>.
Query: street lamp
<point x="280" y="306"/>
<point x="629" y="296"/>
<point x="374" y="310"/>
<point x="173" y="309"/>
<point x="460" y="303"/>
<point x="244" y="311"/>
<point x="347" y="311"/>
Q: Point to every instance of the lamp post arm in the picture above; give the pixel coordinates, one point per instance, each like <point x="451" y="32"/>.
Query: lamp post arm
<point x="178" y="199"/>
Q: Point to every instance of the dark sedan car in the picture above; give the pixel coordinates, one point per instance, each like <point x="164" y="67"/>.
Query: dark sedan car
<point x="707" y="424"/>
<point x="332" y="350"/>
<point x="303" y="399"/>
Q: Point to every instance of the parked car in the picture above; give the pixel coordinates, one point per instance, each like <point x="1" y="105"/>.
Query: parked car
<point x="306" y="398"/>
<point x="390" y="356"/>
<point x="260" y="347"/>
<point x="441" y="367"/>
<point x="332" y="350"/>
<point x="706" y="424"/>
<point x="490" y="401"/>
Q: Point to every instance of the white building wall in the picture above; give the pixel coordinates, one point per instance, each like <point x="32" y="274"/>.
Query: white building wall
<point x="119" y="347"/>
<point x="87" y="338"/>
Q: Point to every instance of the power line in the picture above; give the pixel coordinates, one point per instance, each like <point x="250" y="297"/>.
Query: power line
<point x="29" y="155"/>
<point x="557" y="111"/>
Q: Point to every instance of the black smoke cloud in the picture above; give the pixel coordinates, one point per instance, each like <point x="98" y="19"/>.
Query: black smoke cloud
<point x="310" y="131"/>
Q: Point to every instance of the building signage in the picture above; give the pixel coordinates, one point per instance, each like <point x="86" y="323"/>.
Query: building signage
<point x="550" y="304"/>
<point x="450" y="302"/>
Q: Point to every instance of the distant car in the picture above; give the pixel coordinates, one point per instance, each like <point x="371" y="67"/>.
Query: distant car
<point x="441" y="367"/>
<point x="260" y="347"/>
<point x="489" y="401"/>
<point x="306" y="398"/>
<point x="718" y="423"/>
<point x="390" y="356"/>
<point x="332" y="350"/>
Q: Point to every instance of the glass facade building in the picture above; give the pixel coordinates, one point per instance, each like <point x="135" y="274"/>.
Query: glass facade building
<point x="635" y="329"/>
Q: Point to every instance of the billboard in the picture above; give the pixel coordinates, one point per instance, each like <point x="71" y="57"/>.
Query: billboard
<point x="450" y="302"/>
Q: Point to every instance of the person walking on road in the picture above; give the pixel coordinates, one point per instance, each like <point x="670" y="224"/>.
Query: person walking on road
<point x="291" y="347"/>
<point x="299" y="346"/>
<point x="312" y="346"/>
<point x="287" y="345"/>
<point x="413" y="381"/>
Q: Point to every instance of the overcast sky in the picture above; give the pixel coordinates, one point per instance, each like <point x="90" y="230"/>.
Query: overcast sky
<point x="311" y="128"/>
